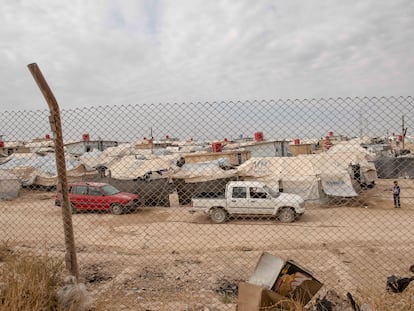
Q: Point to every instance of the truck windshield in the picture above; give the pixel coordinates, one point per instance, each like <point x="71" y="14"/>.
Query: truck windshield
<point x="109" y="190"/>
<point x="271" y="191"/>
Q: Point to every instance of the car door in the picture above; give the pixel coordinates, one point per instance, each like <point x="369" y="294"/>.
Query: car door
<point x="97" y="200"/>
<point x="261" y="202"/>
<point x="79" y="196"/>
<point x="237" y="201"/>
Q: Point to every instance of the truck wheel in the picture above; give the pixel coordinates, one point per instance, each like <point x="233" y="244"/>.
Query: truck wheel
<point x="218" y="215"/>
<point x="286" y="215"/>
<point x="116" y="209"/>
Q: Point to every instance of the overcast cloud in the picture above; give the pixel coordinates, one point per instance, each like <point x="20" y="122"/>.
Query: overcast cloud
<point x="109" y="52"/>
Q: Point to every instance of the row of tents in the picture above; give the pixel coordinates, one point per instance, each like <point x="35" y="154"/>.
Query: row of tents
<point x="316" y="176"/>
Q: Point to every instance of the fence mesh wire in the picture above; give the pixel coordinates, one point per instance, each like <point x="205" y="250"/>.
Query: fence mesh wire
<point x="195" y="221"/>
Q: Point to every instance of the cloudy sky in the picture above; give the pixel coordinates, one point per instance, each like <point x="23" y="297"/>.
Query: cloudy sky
<point x="113" y="52"/>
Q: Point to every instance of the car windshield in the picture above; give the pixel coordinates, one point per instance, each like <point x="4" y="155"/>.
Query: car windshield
<point x="271" y="191"/>
<point x="109" y="190"/>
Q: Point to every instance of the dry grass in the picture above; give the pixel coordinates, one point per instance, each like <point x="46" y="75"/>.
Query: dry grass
<point x="28" y="281"/>
<point x="390" y="301"/>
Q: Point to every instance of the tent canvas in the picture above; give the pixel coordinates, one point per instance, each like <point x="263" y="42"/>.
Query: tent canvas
<point x="294" y="175"/>
<point x="9" y="185"/>
<point x="203" y="171"/>
<point x="33" y="169"/>
<point x="335" y="174"/>
<point x="132" y="167"/>
<point x="354" y="154"/>
<point x="310" y="176"/>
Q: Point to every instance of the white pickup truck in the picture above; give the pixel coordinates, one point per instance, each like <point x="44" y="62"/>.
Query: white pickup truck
<point x="250" y="198"/>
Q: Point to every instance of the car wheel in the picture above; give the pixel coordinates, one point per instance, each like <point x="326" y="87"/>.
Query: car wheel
<point x="73" y="208"/>
<point x="218" y="215"/>
<point x="287" y="215"/>
<point x="116" y="209"/>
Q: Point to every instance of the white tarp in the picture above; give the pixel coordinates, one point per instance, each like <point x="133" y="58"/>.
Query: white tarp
<point x="134" y="166"/>
<point x="31" y="168"/>
<point x="203" y="171"/>
<point x="306" y="175"/>
<point x="335" y="174"/>
<point x="295" y="175"/>
<point x="9" y="185"/>
<point x="96" y="158"/>
<point x="352" y="153"/>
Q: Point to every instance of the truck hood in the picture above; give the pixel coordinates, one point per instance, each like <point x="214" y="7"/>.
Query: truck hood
<point x="292" y="198"/>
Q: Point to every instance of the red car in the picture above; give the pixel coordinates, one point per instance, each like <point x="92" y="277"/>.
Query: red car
<point x="94" y="196"/>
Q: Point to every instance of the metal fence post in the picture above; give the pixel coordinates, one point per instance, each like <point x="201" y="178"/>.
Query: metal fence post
<point x="56" y="127"/>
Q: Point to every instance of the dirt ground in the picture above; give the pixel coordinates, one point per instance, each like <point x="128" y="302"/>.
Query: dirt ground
<point x="168" y="259"/>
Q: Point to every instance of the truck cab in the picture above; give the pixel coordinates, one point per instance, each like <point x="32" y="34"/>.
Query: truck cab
<point x="251" y="198"/>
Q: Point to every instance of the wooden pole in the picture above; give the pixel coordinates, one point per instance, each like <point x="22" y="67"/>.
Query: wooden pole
<point x="56" y="127"/>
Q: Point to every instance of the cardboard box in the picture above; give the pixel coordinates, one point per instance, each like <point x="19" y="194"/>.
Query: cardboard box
<point x="297" y="283"/>
<point x="267" y="270"/>
<point x="278" y="283"/>
<point x="254" y="298"/>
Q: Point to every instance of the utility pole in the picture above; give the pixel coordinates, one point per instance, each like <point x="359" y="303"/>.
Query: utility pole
<point x="152" y="142"/>
<point x="403" y="131"/>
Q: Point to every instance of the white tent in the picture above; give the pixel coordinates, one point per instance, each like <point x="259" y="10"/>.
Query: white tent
<point x="353" y="154"/>
<point x="203" y="171"/>
<point x="335" y="174"/>
<point x="310" y="176"/>
<point x="9" y="185"/>
<point x="134" y="166"/>
<point x="33" y="169"/>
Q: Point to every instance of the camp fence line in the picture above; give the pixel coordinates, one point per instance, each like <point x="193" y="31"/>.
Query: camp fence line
<point x="340" y="155"/>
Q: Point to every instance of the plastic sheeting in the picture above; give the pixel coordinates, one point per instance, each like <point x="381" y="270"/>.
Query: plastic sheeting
<point x="34" y="169"/>
<point x="204" y="171"/>
<point x="310" y="176"/>
<point x="9" y="185"/>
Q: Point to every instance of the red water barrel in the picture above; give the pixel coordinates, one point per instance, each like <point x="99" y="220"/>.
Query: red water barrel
<point x="400" y="137"/>
<point x="85" y="137"/>
<point x="296" y="141"/>
<point x="330" y="133"/>
<point x="1" y="144"/>
<point x="216" y="147"/>
<point x="258" y="136"/>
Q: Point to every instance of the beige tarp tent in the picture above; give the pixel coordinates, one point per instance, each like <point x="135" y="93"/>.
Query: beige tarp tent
<point x="293" y="174"/>
<point x="203" y="171"/>
<point x="9" y="185"/>
<point x="34" y="169"/>
<point x="310" y="176"/>
<point x="335" y="174"/>
<point x="32" y="176"/>
<point x="132" y="167"/>
<point x="352" y="153"/>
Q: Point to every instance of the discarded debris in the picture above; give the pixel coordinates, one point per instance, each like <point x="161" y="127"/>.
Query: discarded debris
<point x="229" y="288"/>
<point x="354" y="305"/>
<point x="278" y="283"/>
<point x="333" y="301"/>
<point x="397" y="284"/>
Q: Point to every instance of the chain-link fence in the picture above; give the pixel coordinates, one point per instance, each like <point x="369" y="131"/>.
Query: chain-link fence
<point x="210" y="186"/>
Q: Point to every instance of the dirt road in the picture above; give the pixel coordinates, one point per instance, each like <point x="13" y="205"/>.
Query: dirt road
<point x="167" y="252"/>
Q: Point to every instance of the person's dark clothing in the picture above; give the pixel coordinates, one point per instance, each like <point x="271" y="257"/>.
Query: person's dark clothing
<point x="396" y="192"/>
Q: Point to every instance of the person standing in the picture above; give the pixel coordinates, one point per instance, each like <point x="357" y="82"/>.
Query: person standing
<point x="396" y="193"/>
